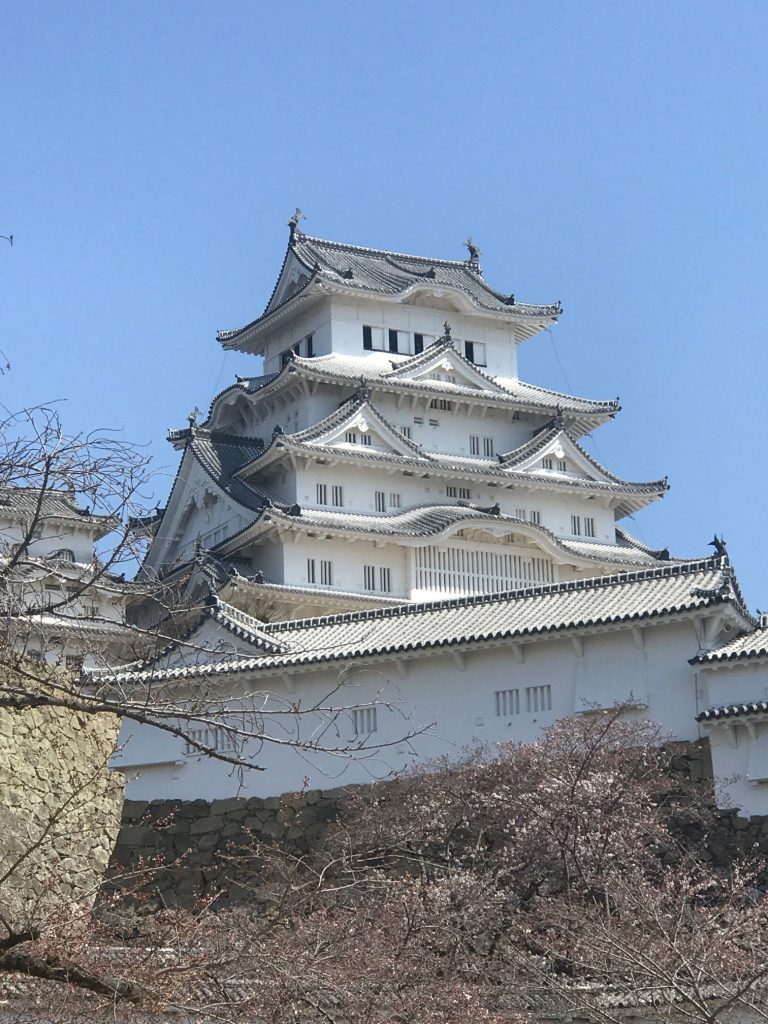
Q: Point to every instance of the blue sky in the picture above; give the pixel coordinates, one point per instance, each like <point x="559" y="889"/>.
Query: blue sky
<point x="611" y="155"/>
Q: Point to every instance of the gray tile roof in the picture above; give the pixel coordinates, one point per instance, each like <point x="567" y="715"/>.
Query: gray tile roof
<point x="379" y="272"/>
<point x="221" y="456"/>
<point x="23" y="502"/>
<point x="728" y="711"/>
<point x="344" y="371"/>
<point x="636" y="597"/>
<point x="749" y="645"/>
<point x="501" y="469"/>
<point x="426" y="521"/>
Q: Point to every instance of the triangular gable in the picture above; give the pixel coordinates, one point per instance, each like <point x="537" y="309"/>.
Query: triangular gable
<point x="559" y="447"/>
<point x="369" y="429"/>
<point x="294" y="275"/>
<point x="442" y="364"/>
<point x="197" y="506"/>
<point x="221" y="631"/>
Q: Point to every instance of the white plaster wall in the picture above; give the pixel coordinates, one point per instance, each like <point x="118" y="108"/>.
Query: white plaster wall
<point x="348" y="319"/>
<point x="455" y="696"/>
<point x="348" y="560"/>
<point x="50" y="537"/>
<point x="361" y="482"/>
<point x="739" y="746"/>
<point x="314" y="319"/>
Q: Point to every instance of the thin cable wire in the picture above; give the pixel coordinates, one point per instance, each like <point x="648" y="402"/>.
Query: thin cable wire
<point x="636" y="526"/>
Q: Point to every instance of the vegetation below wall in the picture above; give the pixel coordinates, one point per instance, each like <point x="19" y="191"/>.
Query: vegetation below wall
<point x="575" y="877"/>
<point x="192" y="845"/>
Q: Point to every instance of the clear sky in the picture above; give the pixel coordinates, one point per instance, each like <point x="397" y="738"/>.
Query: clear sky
<point x="608" y="154"/>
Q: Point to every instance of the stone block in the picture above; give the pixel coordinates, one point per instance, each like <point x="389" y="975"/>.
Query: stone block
<point x="211" y="823"/>
<point x="228" y="805"/>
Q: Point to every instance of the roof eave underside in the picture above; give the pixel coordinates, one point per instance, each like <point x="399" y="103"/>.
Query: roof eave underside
<point x="582" y="414"/>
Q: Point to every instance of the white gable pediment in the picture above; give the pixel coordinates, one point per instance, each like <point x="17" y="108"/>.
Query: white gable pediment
<point x="366" y="429"/>
<point x="561" y="455"/>
<point x="446" y="367"/>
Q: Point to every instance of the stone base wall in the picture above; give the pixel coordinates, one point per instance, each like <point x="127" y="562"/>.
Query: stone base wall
<point x="190" y="847"/>
<point x="60" y="809"/>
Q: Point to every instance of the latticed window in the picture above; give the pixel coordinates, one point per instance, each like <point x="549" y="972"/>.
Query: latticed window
<point x="385" y="580"/>
<point x="589" y="526"/>
<point x="457" y="570"/>
<point x="394" y="501"/>
<point x="364" y="721"/>
<point x="326" y="573"/>
<point x="507" y="702"/>
<point x="337" y="495"/>
<point x="369" y="577"/>
<point x="380" y="501"/>
<point x="576" y="526"/>
<point x="311" y="571"/>
<point x="322" y="494"/>
<point x="538" y="698"/>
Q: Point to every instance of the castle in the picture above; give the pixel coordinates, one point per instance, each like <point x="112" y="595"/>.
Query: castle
<point x="387" y="513"/>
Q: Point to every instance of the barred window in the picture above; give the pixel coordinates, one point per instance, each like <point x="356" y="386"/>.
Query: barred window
<point x="538" y="698"/>
<point x="507" y="703"/>
<point x="364" y="721"/>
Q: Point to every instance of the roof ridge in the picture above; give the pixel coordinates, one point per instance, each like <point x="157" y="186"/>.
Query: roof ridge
<point x="384" y="253"/>
<point x="589" y="583"/>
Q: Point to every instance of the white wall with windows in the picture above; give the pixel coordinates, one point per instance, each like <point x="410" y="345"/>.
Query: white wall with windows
<point x="739" y="744"/>
<point x="346" y="566"/>
<point x="495" y="341"/>
<point x="471" y="697"/>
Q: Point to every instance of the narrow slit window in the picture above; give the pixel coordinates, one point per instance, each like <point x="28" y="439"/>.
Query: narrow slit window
<point x="364" y="721"/>
<point x="538" y="698"/>
<point x="507" y="703"/>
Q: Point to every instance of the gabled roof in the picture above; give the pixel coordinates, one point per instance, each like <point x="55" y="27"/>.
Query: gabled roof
<point x="221" y="456"/>
<point x="323" y="439"/>
<point x="25" y="502"/>
<point x="555" y="438"/>
<point x="607" y="601"/>
<point x="432" y="521"/>
<point x="749" y="646"/>
<point x="313" y="263"/>
<point x="441" y="355"/>
<point x="356" y="415"/>
<point x="376" y="370"/>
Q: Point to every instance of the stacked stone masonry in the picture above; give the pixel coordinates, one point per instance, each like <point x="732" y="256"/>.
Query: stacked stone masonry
<point x="60" y="809"/>
<point x="190" y="847"/>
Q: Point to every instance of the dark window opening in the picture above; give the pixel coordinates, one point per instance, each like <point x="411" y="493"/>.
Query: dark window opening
<point x="418" y="343"/>
<point x="367" y="338"/>
<point x="393" y="341"/>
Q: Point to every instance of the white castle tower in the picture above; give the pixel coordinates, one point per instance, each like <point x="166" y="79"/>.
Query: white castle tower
<point x="389" y="452"/>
